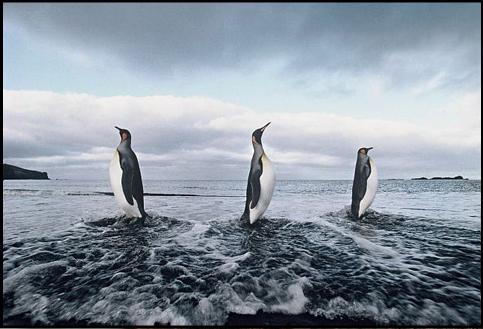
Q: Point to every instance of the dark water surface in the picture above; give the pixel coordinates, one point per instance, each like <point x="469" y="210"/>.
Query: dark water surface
<point x="69" y="257"/>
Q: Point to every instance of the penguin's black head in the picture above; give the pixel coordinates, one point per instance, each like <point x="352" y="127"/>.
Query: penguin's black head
<point x="257" y="134"/>
<point x="364" y="150"/>
<point x="124" y="133"/>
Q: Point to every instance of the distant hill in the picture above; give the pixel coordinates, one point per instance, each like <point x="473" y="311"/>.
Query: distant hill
<point x="437" y="177"/>
<point x="14" y="172"/>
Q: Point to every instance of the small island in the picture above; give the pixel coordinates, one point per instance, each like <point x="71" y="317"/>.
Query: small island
<point x="437" y="177"/>
<point x="14" y="172"/>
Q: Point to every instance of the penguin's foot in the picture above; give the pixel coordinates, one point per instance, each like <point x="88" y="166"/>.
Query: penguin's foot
<point x="137" y="221"/>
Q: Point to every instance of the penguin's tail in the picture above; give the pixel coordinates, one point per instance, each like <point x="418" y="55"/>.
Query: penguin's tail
<point x="245" y="216"/>
<point x="355" y="211"/>
<point x="145" y="215"/>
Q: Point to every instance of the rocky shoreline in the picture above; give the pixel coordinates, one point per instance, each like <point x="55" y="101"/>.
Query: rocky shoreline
<point x="14" y="172"/>
<point x="437" y="177"/>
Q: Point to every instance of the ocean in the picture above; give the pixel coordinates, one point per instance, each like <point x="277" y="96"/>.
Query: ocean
<point x="71" y="258"/>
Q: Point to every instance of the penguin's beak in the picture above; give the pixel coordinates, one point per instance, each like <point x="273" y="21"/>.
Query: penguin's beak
<point x="369" y="148"/>
<point x="117" y="128"/>
<point x="263" y="128"/>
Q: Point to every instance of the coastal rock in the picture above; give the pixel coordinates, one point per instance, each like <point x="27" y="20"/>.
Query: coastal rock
<point x="438" y="177"/>
<point x="14" y="172"/>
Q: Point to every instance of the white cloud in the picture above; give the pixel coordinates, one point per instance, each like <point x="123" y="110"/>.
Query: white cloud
<point x="197" y="137"/>
<point x="430" y="84"/>
<point x="470" y="110"/>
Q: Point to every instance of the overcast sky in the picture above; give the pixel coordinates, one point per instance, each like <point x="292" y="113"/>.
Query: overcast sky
<point x="192" y="81"/>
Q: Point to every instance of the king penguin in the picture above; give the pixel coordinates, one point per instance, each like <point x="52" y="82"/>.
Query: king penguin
<point x="365" y="183"/>
<point x="261" y="180"/>
<point x="125" y="175"/>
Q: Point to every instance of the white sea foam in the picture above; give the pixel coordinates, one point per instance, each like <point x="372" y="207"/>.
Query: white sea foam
<point x="295" y="300"/>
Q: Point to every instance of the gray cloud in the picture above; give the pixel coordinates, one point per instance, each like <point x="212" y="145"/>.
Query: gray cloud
<point x="408" y="42"/>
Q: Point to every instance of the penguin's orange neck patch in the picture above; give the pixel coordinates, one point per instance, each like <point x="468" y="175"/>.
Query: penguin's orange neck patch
<point x="124" y="136"/>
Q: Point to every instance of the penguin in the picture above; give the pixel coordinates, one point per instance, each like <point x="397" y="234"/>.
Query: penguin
<point x="261" y="180"/>
<point x="125" y="176"/>
<point x="365" y="183"/>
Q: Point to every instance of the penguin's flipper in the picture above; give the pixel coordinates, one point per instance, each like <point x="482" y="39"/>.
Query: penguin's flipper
<point x="126" y="181"/>
<point x="248" y="200"/>
<point x="137" y="189"/>
<point x="255" y="187"/>
<point x="360" y="182"/>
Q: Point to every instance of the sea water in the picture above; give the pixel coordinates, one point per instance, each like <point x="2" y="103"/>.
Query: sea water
<point x="70" y="257"/>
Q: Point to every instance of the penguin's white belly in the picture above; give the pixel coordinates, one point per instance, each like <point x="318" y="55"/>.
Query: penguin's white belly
<point x="267" y="184"/>
<point x="370" y="190"/>
<point x="115" y="174"/>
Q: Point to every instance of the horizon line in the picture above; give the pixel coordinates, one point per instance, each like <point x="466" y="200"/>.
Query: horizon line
<point x="291" y="179"/>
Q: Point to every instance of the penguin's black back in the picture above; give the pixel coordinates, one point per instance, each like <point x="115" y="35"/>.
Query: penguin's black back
<point x="359" y="186"/>
<point x="253" y="184"/>
<point x="137" y="191"/>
